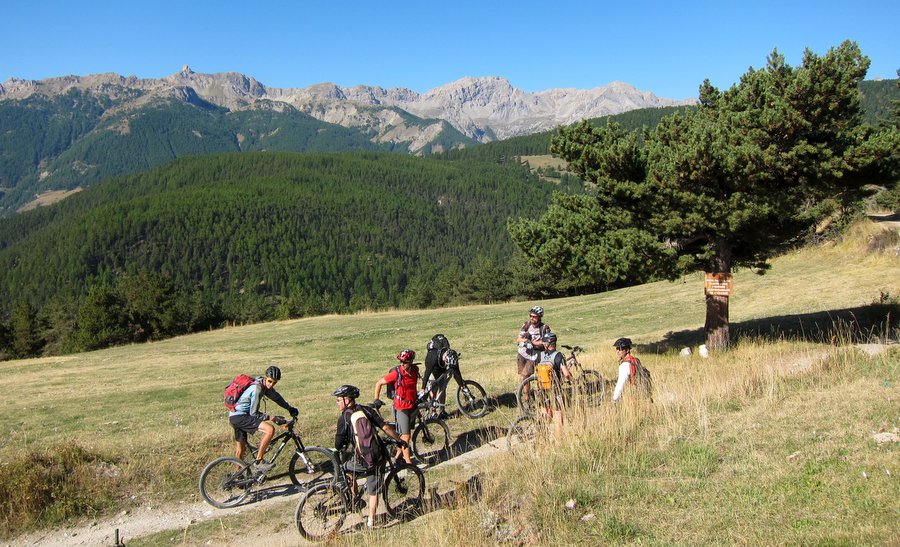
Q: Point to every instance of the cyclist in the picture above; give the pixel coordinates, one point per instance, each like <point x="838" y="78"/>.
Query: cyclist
<point x="557" y="371"/>
<point x="530" y="342"/>
<point x="247" y="419"/>
<point x="439" y="359"/>
<point x="404" y="379"/>
<point x="346" y="435"/>
<point x="630" y="370"/>
<point x="554" y="358"/>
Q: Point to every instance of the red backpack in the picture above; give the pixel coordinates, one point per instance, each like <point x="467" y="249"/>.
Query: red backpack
<point x="235" y="389"/>
<point x="640" y="376"/>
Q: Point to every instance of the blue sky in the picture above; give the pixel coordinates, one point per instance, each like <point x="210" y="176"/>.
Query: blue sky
<point x="668" y="48"/>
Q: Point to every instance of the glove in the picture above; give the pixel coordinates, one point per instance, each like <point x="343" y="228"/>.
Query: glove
<point x="529" y="346"/>
<point x="279" y="420"/>
<point x="294" y="412"/>
<point x="377" y="403"/>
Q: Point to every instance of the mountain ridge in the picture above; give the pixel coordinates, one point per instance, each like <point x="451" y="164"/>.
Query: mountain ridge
<point x="482" y="108"/>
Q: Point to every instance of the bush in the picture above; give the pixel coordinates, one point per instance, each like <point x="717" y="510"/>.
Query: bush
<point x="53" y="485"/>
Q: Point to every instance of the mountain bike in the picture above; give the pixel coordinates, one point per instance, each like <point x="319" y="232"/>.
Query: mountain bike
<point x="431" y="435"/>
<point x="471" y="398"/>
<point x="324" y="507"/>
<point x="226" y="482"/>
<point x="586" y="385"/>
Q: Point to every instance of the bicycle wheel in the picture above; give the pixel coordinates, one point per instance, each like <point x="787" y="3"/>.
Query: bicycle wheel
<point x="226" y="482"/>
<point x="474" y="403"/>
<point x="323" y="463"/>
<point x="591" y="386"/>
<point x="321" y="511"/>
<point x="523" y="429"/>
<point x="528" y="404"/>
<point x="429" y="438"/>
<point x="404" y="492"/>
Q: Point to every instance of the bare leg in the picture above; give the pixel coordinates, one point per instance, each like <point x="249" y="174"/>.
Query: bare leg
<point x="373" y="507"/>
<point x="406" y="452"/>
<point x="268" y="431"/>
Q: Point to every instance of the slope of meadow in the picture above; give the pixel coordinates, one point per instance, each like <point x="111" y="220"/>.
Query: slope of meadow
<point x="769" y="443"/>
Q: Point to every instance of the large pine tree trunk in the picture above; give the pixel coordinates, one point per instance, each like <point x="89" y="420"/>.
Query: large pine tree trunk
<point x="717" y="333"/>
<point x="718" y="336"/>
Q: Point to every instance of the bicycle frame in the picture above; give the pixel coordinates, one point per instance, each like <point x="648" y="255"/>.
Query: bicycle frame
<point x="440" y="383"/>
<point x="284" y="438"/>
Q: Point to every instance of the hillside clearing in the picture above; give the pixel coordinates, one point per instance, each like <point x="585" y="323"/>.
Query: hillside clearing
<point x="154" y="409"/>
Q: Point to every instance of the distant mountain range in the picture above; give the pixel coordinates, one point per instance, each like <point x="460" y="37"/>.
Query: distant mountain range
<point x="483" y="109"/>
<point x="65" y="133"/>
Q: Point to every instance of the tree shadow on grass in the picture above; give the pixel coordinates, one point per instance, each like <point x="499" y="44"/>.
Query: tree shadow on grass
<point x="504" y="400"/>
<point x="877" y="321"/>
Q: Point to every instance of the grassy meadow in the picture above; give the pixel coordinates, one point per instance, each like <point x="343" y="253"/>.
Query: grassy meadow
<point x="766" y="443"/>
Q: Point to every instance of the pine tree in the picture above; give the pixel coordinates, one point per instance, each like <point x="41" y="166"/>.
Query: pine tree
<point x="723" y="186"/>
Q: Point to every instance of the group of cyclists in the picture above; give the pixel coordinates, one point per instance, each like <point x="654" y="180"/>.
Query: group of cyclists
<point x="536" y="353"/>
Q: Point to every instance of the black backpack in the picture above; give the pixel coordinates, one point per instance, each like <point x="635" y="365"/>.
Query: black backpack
<point x="438" y="343"/>
<point x="391" y="389"/>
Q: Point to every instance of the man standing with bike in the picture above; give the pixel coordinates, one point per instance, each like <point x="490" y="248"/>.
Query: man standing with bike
<point x="552" y="371"/>
<point x="246" y="419"/>
<point x="530" y="342"/>
<point x="440" y="359"/>
<point x="356" y="427"/>
<point x="402" y="381"/>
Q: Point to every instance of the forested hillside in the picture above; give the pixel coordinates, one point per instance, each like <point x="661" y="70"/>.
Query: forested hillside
<point x="878" y="99"/>
<point x="247" y="237"/>
<point x="80" y="138"/>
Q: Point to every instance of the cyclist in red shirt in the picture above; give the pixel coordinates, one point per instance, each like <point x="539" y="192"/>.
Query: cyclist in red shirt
<point x="404" y="379"/>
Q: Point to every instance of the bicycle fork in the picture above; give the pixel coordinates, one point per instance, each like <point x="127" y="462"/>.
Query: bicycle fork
<point x="310" y="468"/>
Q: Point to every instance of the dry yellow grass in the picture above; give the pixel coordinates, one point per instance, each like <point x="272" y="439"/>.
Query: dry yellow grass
<point x="156" y="407"/>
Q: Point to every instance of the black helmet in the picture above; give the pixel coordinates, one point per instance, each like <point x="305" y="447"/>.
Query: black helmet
<point x="622" y="343"/>
<point x="346" y="390"/>
<point x="536" y="310"/>
<point x="274" y="373"/>
<point x="550" y="338"/>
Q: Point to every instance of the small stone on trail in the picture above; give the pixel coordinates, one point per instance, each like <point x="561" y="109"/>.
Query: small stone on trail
<point x="588" y="517"/>
<point x="571" y="504"/>
<point x="793" y="456"/>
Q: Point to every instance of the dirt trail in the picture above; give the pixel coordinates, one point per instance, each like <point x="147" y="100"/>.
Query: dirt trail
<point x="147" y="520"/>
